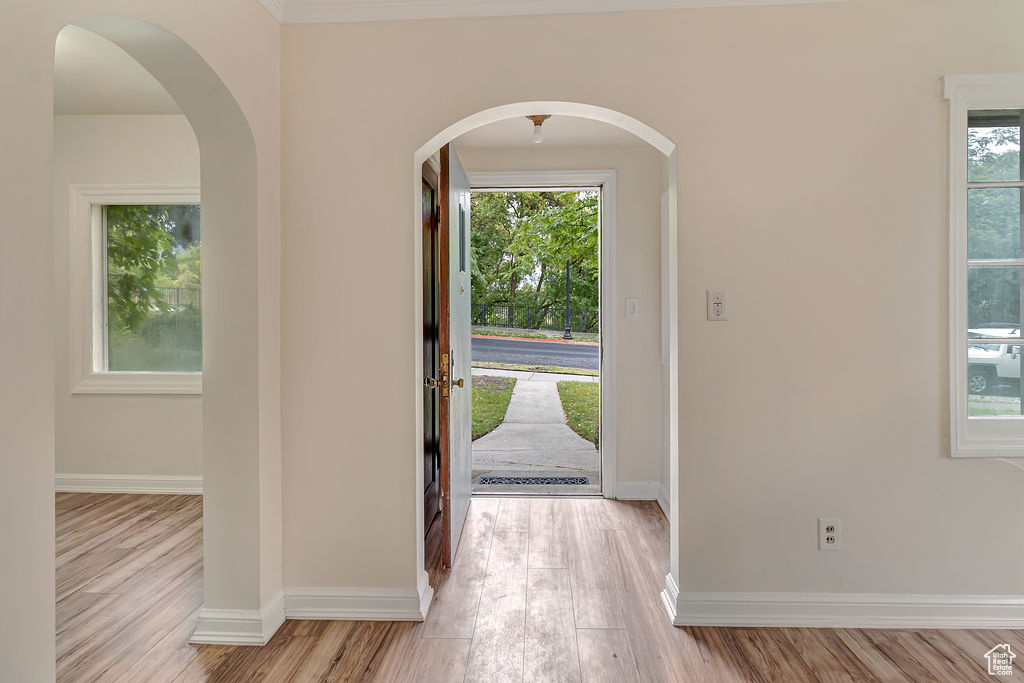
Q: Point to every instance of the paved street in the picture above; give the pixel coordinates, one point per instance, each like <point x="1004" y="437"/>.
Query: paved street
<point x="530" y="352"/>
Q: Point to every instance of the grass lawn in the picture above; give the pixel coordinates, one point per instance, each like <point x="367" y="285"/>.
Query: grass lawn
<point x="581" y="402"/>
<point x="994" y="404"/>
<point x="536" y="368"/>
<point x="525" y="334"/>
<point x="490" y="401"/>
<point x="972" y="410"/>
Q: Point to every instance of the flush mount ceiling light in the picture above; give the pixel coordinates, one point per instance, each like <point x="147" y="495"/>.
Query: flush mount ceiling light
<point x="538" y="121"/>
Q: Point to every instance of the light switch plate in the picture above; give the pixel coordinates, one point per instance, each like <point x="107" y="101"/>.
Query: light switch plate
<point x="632" y="307"/>
<point x="718" y="305"/>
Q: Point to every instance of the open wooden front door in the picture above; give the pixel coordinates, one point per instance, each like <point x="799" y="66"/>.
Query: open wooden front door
<point x="431" y="348"/>
<point x="455" y="371"/>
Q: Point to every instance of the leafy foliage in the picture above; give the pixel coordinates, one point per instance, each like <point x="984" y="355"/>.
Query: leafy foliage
<point x="143" y="244"/>
<point x="185" y="270"/>
<point x="154" y="274"/>
<point x="994" y="225"/>
<point x="522" y="241"/>
<point x="137" y="242"/>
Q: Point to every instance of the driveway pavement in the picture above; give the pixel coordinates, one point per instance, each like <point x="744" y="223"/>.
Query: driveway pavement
<point x="535" y="441"/>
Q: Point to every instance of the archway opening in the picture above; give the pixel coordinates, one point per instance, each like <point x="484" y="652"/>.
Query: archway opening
<point x="151" y="132"/>
<point x="668" y="266"/>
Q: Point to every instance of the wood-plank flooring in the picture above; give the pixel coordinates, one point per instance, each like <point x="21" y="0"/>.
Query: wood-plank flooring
<point x="546" y="589"/>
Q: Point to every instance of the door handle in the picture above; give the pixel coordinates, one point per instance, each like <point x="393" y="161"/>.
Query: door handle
<point x="445" y="381"/>
<point x="444" y="377"/>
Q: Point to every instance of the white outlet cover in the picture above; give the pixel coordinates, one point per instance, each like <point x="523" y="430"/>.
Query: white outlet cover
<point x="830" y="533"/>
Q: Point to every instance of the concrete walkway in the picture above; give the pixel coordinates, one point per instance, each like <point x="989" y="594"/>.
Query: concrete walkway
<point x="534" y="440"/>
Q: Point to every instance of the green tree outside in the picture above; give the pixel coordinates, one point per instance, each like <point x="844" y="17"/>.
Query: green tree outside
<point x="994" y="225"/>
<point x="521" y="242"/>
<point x="154" y="273"/>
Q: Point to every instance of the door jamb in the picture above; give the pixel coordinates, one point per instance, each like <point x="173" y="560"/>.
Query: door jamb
<point x="549" y="180"/>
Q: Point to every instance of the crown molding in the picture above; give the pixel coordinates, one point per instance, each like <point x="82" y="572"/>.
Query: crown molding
<point x="319" y="11"/>
<point x="275" y="9"/>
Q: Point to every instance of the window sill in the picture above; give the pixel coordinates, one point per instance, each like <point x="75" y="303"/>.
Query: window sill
<point x="1004" y="448"/>
<point x="155" y="383"/>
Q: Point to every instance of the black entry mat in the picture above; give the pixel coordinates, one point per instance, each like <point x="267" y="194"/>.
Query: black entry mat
<point x="535" y="481"/>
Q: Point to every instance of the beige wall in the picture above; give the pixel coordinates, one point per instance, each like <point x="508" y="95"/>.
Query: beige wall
<point x="812" y="188"/>
<point x="26" y="351"/>
<point x="103" y="434"/>
<point x="637" y="350"/>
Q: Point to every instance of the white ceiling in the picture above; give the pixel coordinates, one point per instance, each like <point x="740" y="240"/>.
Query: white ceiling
<point x="94" y="76"/>
<point x="307" y="11"/>
<point x="559" y="131"/>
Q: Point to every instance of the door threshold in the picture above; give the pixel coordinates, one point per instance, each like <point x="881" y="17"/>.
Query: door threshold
<point x="538" y="494"/>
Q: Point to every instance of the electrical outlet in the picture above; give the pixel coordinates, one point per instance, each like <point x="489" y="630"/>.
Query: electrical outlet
<point x="718" y="305"/>
<point x="830" y="534"/>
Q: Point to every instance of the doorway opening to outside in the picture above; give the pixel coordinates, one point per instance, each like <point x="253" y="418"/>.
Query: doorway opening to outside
<point x="536" y="339"/>
<point x="582" y="147"/>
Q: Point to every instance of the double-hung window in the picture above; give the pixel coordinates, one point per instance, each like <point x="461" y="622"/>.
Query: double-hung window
<point x="136" y="281"/>
<point x="986" y="264"/>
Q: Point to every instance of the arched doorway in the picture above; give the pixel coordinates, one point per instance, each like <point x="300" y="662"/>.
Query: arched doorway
<point x="669" y="277"/>
<point x="241" y="509"/>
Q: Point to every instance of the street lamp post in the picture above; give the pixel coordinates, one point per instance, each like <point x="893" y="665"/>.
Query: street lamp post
<point x="568" y="327"/>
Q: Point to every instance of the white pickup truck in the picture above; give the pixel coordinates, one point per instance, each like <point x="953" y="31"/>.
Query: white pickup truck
<point x="989" y="365"/>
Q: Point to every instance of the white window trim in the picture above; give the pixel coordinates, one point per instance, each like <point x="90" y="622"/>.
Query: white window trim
<point x="977" y="437"/>
<point x="88" y="255"/>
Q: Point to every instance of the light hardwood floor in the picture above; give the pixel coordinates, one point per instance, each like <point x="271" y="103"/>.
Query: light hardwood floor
<point x="542" y="590"/>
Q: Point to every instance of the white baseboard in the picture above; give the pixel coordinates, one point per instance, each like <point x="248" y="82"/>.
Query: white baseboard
<point x="848" y="610"/>
<point x="240" y="626"/>
<point x="426" y="593"/>
<point x="364" y="604"/>
<point x="256" y="627"/>
<point x="670" y="596"/>
<point x="637" y="490"/>
<point x="129" y="483"/>
<point x="643" y="490"/>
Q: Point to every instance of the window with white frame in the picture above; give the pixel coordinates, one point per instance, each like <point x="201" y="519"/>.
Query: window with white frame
<point x="986" y="264"/>
<point x="136" y="289"/>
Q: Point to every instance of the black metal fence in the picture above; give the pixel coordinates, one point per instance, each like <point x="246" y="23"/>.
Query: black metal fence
<point x="535" y="317"/>
<point x="182" y="297"/>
